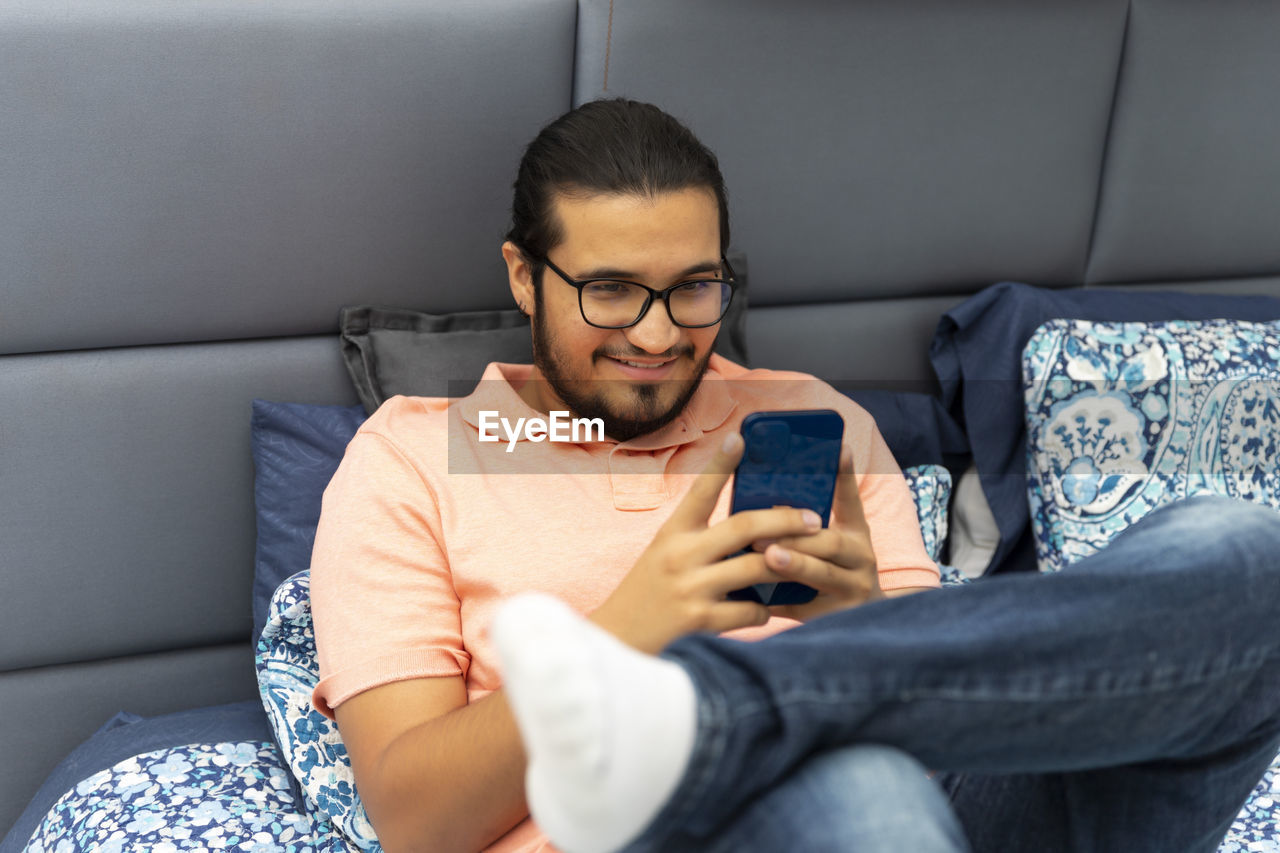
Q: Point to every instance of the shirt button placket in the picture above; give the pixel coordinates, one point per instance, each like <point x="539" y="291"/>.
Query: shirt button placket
<point x="637" y="479"/>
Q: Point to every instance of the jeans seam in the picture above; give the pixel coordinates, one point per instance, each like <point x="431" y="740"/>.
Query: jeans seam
<point x="705" y="755"/>
<point x="1251" y="660"/>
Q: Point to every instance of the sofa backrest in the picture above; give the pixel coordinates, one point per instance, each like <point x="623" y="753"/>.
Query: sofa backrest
<point x="885" y="158"/>
<point x="190" y="191"/>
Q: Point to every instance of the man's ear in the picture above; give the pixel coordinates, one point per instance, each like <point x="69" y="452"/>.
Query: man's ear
<point x="519" y="276"/>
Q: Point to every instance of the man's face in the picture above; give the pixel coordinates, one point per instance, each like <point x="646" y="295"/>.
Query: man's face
<point x="639" y="378"/>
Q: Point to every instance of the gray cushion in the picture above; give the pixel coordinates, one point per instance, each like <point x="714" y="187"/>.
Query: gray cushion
<point x="390" y="351"/>
<point x="127" y="508"/>
<point x="882" y="343"/>
<point x="881" y="149"/>
<point x="220" y="169"/>
<point x="1192" y="178"/>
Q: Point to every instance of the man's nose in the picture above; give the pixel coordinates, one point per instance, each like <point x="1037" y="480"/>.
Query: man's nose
<point x="655" y="332"/>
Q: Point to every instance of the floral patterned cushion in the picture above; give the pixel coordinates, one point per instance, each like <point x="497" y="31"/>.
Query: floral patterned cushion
<point x="309" y="741"/>
<point x="1257" y="828"/>
<point x="931" y="488"/>
<point x="207" y="796"/>
<point x="1123" y="418"/>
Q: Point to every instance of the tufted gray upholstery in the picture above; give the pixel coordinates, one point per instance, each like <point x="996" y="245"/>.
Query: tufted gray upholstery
<point x="882" y="149"/>
<point x="204" y="171"/>
<point x="1189" y="189"/>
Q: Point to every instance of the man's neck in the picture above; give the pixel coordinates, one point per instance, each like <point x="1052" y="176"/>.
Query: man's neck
<point x="537" y="392"/>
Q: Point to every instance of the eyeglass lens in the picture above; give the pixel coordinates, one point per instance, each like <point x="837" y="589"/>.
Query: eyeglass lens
<point x="618" y="303"/>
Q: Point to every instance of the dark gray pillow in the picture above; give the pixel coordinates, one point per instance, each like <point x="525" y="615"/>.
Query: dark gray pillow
<point x="390" y="351"/>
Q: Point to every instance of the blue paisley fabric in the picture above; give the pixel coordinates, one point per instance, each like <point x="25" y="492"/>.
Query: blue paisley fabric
<point x="215" y="796"/>
<point x="1123" y="418"/>
<point x="310" y="743"/>
<point x="1257" y="828"/>
<point x="931" y="489"/>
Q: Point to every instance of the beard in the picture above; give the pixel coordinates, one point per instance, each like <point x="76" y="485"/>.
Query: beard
<point x="639" y="408"/>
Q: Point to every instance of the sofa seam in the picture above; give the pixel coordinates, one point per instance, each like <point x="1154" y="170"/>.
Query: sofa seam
<point x="608" y="49"/>
<point x="1117" y="82"/>
<point x="217" y="645"/>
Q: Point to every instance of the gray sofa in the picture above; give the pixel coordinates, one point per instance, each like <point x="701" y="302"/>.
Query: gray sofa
<point x="190" y="192"/>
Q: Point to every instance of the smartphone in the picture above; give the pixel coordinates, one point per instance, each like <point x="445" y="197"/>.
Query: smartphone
<point x="790" y="459"/>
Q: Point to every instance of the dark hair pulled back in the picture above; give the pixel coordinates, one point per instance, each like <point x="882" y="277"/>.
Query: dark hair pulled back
<point x="614" y="146"/>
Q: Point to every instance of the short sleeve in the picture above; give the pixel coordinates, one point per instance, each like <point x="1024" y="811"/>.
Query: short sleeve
<point x="890" y="511"/>
<point x="382" y="596"/>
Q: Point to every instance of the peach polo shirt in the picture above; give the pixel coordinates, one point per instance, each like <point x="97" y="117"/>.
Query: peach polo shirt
<point x="425" y="528"/>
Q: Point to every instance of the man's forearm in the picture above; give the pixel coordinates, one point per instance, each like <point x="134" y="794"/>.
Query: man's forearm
<point x="453" y="783"/>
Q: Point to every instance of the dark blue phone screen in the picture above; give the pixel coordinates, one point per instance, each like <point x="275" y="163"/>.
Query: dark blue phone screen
<point x="790" y="459"/>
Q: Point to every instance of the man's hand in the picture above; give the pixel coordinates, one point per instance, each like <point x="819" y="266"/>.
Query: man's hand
<point x="679" y="584"/>
<point x="837" y="561"/>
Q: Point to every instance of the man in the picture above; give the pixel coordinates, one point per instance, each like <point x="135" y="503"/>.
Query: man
<point x="617" y="253"/>
<point x="425" y="528"/>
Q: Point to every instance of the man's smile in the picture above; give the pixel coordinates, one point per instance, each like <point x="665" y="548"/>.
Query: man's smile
<point x="636" y="368"/>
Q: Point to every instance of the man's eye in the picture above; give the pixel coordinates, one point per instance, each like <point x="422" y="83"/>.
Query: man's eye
<point x="606" y="289"/>
<point x="696" y="289"/>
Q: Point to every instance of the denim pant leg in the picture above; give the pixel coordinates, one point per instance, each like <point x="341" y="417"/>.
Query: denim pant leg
<point x="1158" y="654"/>
<point x="1156" y="807"/>
<point x="866" y="798"/>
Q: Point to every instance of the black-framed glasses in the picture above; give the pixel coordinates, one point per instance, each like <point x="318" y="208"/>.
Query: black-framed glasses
<point x="609" y="303"/>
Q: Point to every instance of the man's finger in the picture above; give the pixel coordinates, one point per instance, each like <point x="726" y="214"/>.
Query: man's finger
<point x="822" y="575"/>
<point x="692" y="512"/>
<point x="826" y="544"/>
<point x="745" y="570"/>
<point x="742" y="529"/>
<point x="728" y="615"/>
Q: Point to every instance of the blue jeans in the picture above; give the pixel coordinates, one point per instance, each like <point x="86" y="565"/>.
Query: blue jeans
<point x="864" y="798"/>
<point x="1129" y="703"/>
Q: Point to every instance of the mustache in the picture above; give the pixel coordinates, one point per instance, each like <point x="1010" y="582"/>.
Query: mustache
<point x="675" y="352"/>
